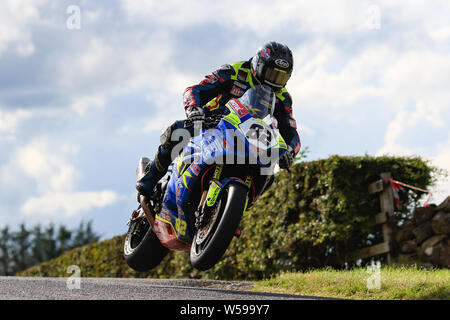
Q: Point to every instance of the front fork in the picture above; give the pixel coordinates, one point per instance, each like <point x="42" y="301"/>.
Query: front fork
<point x="147" y="210"/>
<point x="216" y="177"/>
<point x="211" y="195"/>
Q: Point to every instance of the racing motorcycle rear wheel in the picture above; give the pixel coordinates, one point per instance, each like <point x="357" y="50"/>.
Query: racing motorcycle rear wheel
<point x="211" y="241"/>
<point x="142" y="249"/>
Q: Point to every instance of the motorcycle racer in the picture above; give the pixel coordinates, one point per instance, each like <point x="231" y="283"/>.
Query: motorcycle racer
<point x="272" y="66"/>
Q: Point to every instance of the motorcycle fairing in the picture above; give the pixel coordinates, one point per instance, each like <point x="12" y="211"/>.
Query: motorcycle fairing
<point x="169" y="228"/>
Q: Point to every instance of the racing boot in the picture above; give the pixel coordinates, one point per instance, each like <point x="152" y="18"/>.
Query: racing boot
<point x="157" y="169"/>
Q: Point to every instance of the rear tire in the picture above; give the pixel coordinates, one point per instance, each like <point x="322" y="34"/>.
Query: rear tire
<point x="206" y="254"/>
<point x="143" y="253"/>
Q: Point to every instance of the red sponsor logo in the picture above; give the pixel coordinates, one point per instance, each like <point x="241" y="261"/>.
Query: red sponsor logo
<point x="239" y="108"/>
<point x="237" y="92"/>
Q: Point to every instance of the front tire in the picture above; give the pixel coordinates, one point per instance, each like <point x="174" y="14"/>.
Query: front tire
<point x="142" y="249"/>
<point x="208" y="250"/>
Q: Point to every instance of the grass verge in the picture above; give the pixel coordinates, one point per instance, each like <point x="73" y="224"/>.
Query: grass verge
<point x="395" y="283"/>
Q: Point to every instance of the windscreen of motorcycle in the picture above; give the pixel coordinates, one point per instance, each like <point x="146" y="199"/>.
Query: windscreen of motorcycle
<point x="259" y="101"/>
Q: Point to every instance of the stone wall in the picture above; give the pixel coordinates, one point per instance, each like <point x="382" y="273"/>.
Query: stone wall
<point x="425" y="238"/>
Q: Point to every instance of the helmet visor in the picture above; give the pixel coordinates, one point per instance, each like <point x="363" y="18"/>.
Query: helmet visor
<point x="276" y="77"/>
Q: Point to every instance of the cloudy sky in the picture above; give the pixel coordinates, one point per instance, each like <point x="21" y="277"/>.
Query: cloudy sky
<point x="87" y="86"/>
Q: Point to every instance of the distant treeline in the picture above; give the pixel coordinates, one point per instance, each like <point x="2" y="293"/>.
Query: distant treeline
<point x="25" y="248"/>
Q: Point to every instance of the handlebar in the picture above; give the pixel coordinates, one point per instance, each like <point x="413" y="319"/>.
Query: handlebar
<point x="209" y="122"/>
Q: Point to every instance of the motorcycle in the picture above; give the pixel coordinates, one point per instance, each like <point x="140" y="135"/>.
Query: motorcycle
<point x="210" y="185"/>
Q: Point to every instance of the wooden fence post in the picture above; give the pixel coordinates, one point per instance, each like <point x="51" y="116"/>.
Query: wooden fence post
<point x="385" y="218"/>
<point x="387" y="206"/>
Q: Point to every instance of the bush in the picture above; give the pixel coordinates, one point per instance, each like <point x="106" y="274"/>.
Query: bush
<point x="318" y="213"/>
<point x="24" y="248"/>
<point x="312" y="216"/>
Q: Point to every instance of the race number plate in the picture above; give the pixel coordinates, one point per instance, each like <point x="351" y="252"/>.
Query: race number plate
<point x="259" y="134"/>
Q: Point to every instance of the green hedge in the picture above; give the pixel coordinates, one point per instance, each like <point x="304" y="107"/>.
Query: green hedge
<point x="312" y="216"/>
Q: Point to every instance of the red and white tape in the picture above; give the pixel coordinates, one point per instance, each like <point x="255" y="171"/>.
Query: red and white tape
<point x="397" y="185"/>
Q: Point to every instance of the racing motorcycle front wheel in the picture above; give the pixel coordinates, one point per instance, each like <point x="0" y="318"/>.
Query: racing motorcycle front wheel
<point x="212" y="240"/>
<point x="142" y="249"/>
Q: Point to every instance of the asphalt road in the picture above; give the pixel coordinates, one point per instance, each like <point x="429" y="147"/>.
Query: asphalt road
<point x="30" y="288"/>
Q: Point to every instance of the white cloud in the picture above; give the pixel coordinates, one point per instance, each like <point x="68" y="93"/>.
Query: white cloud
<point x="323" y="17"/>
<point x="84" y="103"/>
<point x="408" y="123"/>
<point x="43" y="170"/>
<point x="68" y="204"/>
<point x="441" y="35"/>
<point x="10" y="120"/>
<point x="107" y="68"/>
<point x="158" y="123"/>
<point x="46" y="165"/>
<point x="326" y="76"/>
<point x="17" y="17"/>
<point x="417" y="75"/>
<point x="305" y="129"/>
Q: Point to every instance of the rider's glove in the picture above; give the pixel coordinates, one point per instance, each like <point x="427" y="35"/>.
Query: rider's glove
<point x="195" y="114"/>
<point x="286" y="159"/>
